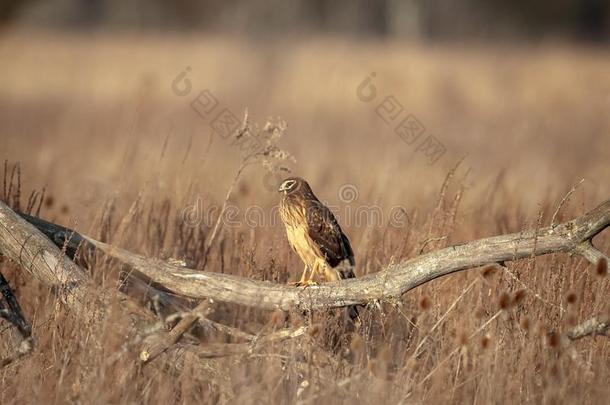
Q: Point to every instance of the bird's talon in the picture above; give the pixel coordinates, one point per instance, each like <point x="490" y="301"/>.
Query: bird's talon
<point x="303" y="284"/>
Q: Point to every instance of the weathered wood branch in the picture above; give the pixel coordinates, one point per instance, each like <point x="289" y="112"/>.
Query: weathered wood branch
<point x="25" y="245"/>
<point x="573" y="237"/>
<point x="215" y="350"/>
<point x="593" y="326"/>
<point x="77" y="247"/>
<point x="34" y="252"/>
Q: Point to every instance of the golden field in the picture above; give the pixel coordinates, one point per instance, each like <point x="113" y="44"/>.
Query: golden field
<point x="95" y="121"/>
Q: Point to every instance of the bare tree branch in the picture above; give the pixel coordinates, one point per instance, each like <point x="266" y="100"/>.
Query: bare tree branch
<point x="159" y="344"/>
<point x="227" y="349"/>
<point x="593" y="326"/>
<point x="27" y="246"/>
<point x="75" y="246"/>
<point x="572" y="237"/>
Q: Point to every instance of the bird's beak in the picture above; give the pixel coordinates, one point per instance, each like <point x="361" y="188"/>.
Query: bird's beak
<point x="281" y="189"/>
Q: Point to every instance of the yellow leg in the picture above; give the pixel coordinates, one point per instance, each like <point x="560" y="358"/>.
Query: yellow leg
<point x="305" y="281"/>
<point x="303" y="276"/>
<point x="314" y="272"/>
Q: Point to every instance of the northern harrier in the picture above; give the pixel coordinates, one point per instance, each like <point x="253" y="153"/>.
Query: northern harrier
<point x="315" y="235"/>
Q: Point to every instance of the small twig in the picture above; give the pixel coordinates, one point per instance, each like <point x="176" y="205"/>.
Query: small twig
<point x="161" y="343"/>
<point x="339" y="385"/>
<point x="454" y="351"/>
<point x="589" y="252"/>
<point x="213" y="350"/>
<point x="243" y="165"/>
<point x="416" y="353"/>
<point x="535" y="294"/>
<point x="563" y="201"/>
<point x="219" y="327"/>
<point x="216" y="228"/>
<point x="430" y="240"/>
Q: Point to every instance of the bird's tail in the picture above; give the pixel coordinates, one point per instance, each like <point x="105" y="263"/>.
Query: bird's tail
<point x="352" y="313"/>
<point x="347" y="271"/>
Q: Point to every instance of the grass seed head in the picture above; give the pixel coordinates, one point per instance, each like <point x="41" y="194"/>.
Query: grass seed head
<point x="571" y="298"/>
<point x="504" y="300"/>
<point x="485" y="341"/>
<point x="314" y="330"/>
<point x="488" y="271"/>
<point x="525" y="323"/>
<point x="424" y="304"/>
<point x="553" y="339"/>
<point x="602" y="267"/>
<point x="463" y="339"/>
<point x="519" y="296"/>
<point x="357" y="344"/>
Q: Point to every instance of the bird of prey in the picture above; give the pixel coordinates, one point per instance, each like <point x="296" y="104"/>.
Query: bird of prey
<point x="315" y="235"/>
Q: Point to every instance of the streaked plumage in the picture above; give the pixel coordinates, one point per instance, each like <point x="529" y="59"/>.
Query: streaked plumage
<point x="315" y="235"/>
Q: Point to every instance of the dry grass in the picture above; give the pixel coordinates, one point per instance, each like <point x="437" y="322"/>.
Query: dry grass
<point x="94" y="122"/>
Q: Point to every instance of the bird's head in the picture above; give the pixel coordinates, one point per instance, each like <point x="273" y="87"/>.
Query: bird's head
<point x="292" y="185"/>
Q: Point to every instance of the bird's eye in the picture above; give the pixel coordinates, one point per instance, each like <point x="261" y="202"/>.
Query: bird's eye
<point x="288" y="185"/>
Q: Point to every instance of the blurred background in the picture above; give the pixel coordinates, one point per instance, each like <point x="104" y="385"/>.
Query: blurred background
<point x="409" y="19"/>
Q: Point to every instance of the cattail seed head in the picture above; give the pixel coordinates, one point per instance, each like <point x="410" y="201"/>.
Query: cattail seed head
<point x="424" y="303"/>
<point x="525" y="323"/>
<point x="602" y="267"/>
<point x="488" y="271"/>
<point x="519" y="296"/>
<point x="313" y="330"/>
<point x="571" y="298"/>
<point x="357" y="344"/>
<point x="485" y="341"/>
<point x="552" y="339"/>
<point x="373" y="367"/>
<point x="504" y="300"/>
<point x="49" y="201"/>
